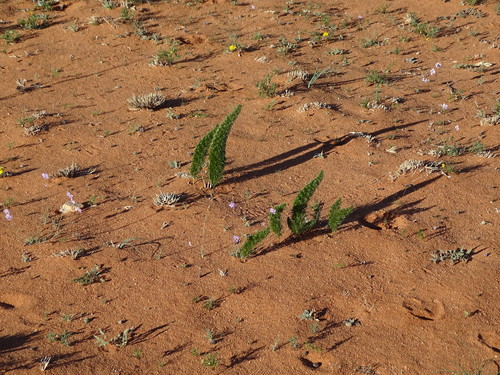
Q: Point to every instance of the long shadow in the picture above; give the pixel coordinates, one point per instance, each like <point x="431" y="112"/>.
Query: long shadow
<point x="359" y="214"/>
<point x="396" y="127"/>
<point x="276" y="158"/>
<point x="338" y="344"/>
<point x="469" y="168"/>
<point x="12" y="343"/>
<point x="12" y="271"/>
<point x="325" y="332"/>
<point x="23" y="172"/>
<point x="315" y="148"/>
<point x="140" y="255"/>
<point x="177" y="349"/>
<point x="302" y="87"/>
<point x="247" y="355"/>
<point x="77" y="77"/>
<point x="361" y="211"/>
<point x="405" y="209"/>
<point x="62" y="360"/>
<point x="197" y="58"/>
<point x="300" y="155"/>
<point x="152" y="333"/>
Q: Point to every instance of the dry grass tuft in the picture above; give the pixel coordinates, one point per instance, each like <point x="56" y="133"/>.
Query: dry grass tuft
<point x="149" y="101"/>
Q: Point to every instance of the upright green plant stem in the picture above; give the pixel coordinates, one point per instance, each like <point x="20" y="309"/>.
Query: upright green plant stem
<point x="298" y="223"/>
<point x="217" y="152"/>
<point x="200" y="153"/>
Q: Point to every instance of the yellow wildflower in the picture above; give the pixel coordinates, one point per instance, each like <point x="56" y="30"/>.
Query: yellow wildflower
<point x="232" y="47"/>
<point x="326" y="33"/>
<point x="1" y="171"/>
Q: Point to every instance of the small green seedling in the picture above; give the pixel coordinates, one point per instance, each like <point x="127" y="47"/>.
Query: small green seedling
<point x="62" y="337"/>
<point x="11" y="36"/>
<point x="211" y="361"/>
<point x="34" y="21"/>
<point x="265" y="88"/>
<point x="211" y="304"/>
<point x="167" y="56"/>
<point x="377" y="78"/>
<point x="127" y="242"/>
<point x="316" y="75"/>
<point x="454" y="256"/>
<point x="90" y="277"/>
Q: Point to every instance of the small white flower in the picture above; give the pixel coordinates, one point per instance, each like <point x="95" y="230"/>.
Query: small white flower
<point x="432" y="71"/>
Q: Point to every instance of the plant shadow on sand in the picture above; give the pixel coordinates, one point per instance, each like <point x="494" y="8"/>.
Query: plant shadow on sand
<point x="299" y="155"/>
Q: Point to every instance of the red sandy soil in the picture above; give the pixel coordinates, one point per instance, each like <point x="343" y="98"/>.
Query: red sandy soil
<point x="167" y="272"/>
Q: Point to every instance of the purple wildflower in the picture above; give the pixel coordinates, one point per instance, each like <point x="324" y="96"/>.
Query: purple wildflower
<point x="444" y="106"/>
<point x="438" y="65"/>
<point x="232" y="205"/>
<point x="8" y="215"/>
<point x="272" y="210"/>
<point x="72" y="200"/>
<point x="457" y="128"/>
<point x="45" y="176"/>
<point x="70" y="197"/>
<point x="236" y="239"/>
<point x="424" y="79"/>
<point x="432" y="71"/>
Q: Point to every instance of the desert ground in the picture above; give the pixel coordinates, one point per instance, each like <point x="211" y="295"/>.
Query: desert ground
<point x="397" y="102"/>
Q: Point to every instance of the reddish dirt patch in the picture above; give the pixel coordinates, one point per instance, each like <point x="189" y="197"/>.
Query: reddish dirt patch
<point x="167" y="278"/>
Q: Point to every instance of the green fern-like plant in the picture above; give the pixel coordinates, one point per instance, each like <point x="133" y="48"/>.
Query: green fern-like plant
<point x="337" y="215"/>
<point x="275" y="219"/>
<point x="213" y="144"/>
<point x="217" y="153"/>
<point x="200" y="153"/>
<point x="298" y="223"/>
<point x="253" y="240"/>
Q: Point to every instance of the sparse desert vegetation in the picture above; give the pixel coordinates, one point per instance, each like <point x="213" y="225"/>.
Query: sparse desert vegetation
<point x="229" y="187"/>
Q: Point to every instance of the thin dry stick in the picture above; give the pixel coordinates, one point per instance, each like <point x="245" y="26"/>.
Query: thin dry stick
<point x="202" y="252"/>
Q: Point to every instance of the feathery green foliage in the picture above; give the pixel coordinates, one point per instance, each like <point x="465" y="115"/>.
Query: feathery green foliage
<point x="200" y="153"/>
<point x="213" y="144"/>
<point x="299" y="223"/>
<point x="337" y="215"/>
<point x="275" y="219"/>
<point x="253" y="240"/>
<point x="217" y="152"/>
